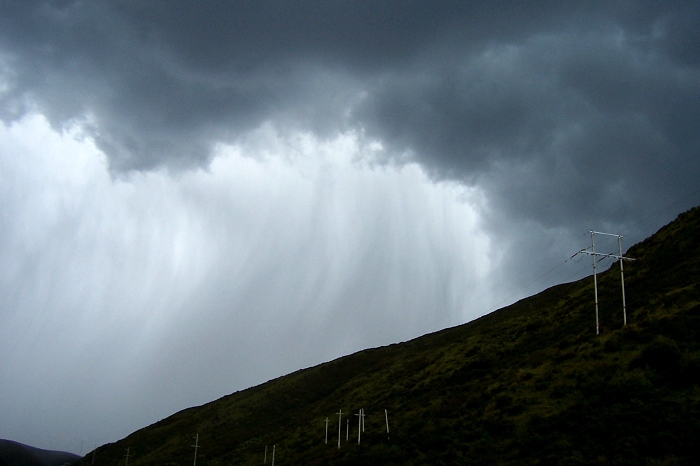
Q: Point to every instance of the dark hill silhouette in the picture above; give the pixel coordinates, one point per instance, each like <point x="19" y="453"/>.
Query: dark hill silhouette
<point x="527" y="384"/>
<point x="17" y="454"/>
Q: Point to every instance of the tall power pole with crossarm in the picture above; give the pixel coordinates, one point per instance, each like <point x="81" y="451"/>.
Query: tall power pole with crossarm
<point x="595" y="256"/>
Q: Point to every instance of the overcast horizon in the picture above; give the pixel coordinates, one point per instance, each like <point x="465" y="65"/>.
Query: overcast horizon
<point x="198" y="199"/>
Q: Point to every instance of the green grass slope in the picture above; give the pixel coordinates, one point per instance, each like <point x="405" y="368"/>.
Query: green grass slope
<point x="528" y="384"/>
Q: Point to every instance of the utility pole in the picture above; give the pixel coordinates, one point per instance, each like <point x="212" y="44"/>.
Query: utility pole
<point x="326" y="431"/>
<point x="386" y="416"/>
<point x="622" y="278"/>
<point x="620" y="258"/>
<point x="595" y="283"/>
<point x="196" y="445"/>
<point x="359" y="425"/>
<point x="265" y="458"/>
<point x="273" y="455"/>
<point x="340" y="416"/>
<point x="126" y="462"/>
<point x="347" y="429"/>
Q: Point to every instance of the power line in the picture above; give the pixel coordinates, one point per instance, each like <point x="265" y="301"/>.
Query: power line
<point x="507" y="298"/>
<point x="662" y="210"/>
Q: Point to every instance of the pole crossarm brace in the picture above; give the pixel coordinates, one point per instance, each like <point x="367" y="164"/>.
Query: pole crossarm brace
<point x="586" y="251"/>
<point x="618" y="257"/>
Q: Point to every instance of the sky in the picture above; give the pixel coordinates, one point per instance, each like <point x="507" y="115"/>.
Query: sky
<point x="198" y="197"/>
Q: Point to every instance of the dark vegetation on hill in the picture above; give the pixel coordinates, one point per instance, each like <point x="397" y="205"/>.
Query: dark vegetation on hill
<point x="17" y="454"/>
<point x="528" y="384"/>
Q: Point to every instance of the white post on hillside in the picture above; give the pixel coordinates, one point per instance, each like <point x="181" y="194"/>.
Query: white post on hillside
<point x="619" y="257"/>
<point x="273" y="455"/>
<point x="622" y="277"/>
<point x="340" y="417"/>
<point x="326" y="431"/>
<point x="595" y="284"/>
<point x="196" y="446"/>
<point x="386" y="416"/>
<point x="359" y="425"/>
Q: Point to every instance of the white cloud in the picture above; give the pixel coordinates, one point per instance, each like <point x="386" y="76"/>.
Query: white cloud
<point x="124" y="300"/>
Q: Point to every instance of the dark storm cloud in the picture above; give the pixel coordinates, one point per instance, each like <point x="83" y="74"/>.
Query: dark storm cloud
<point x="551" y="97"/>
<point x="571" y="114"/>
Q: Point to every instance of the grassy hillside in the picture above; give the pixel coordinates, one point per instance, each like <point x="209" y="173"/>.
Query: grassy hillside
<point x="528" y="384"/>
<point x="17" y="454"/>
